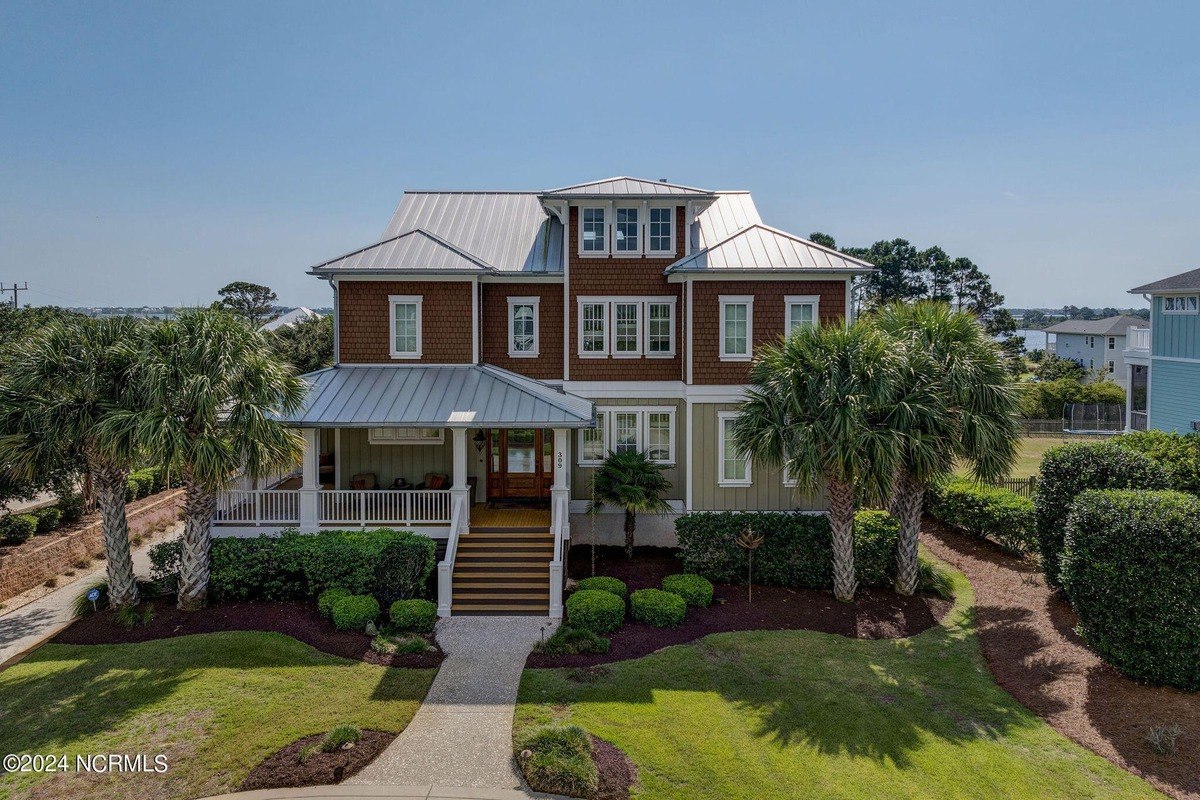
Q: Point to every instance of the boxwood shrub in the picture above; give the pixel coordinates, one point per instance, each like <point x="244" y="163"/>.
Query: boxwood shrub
<point x="1131" y="566"/>
<point x="1071" y="469"/>
<point x="413" y="615"/>
<point x="354" y="612"/>
<point x="47" y="519"/>
<point x="695" y="590"/>
<point x="1177" y="453"/>
<point x="989" y="512"/>
<point x="658" y="608"/>
<point x="17" y="528"/>
<point x="597" y="611"/>
<point x="557" y="759"/>
<point x="797" y="549"/>
<point x="70" y="503"/>
<point x="604" y="583"/>
<point x="328" y="599"/>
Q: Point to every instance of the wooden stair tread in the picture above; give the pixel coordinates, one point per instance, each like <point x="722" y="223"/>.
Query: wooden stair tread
<point x="498" y="529"/>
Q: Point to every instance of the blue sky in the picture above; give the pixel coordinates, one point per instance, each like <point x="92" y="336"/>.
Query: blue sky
<point x="150" y="153"/>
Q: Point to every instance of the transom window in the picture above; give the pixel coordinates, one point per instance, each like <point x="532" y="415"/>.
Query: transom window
<point x="649" y="429"/>
<point x="406" y="325"/>
<point x="736" y="327"/>
<point x="733" y="466"/>
<point x="627" y="327"/>
<point x="801" y="312"/>
<point x="523" y="327"/>
<point x="625" y="237"/>
<point x="406" y="435"/>
<point x="662" y="223"/>
<point x="592" y="229"/>
<point x="1181" y="304"/>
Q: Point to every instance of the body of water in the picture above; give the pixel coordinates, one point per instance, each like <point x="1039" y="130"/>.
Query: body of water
<point x="1034" y="339"/>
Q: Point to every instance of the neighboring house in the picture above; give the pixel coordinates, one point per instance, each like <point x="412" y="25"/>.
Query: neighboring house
<point x="1164" y="390"/>
<point x="1095" y="344"/>
<point x="293" y="317"/>
<point x="501" y="343"/>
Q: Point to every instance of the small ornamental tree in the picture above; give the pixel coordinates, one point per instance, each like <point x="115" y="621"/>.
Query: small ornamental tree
<point x="633" y="482"/>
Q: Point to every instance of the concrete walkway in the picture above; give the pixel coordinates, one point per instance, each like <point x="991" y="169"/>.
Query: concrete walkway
<point x="462" y="734"/>
<point x="350" y="792"/>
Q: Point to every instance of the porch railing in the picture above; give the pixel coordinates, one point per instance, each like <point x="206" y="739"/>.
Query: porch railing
<point x="335" y="507"/>
<point x="258" y="507"/>
<point x="1137" y="339"/>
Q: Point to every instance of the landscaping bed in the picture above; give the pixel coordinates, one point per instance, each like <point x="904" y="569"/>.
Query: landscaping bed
<point x="875" y="614"/>
<point x="297" y="619"/>
<point x="284" y="768"/>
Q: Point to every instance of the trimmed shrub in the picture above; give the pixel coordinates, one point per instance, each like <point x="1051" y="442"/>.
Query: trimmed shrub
<point x="597" y="611"/>
<point x="71" y="506"/>
<point x="1177" y="453"/>
<point x="603" y="583"/>
<point x="164" y="566"/>
<point x="695" y="590"/>
<point x="413" y="615"/>
<point x="403" y="569"/>
<point x="354" y="612"/>
<point x="328" y="599"/>
<point x="557" y="759"/>
<point x="1071" y="469"/>
<point x="47" y="519"/>
<point x="989" y="512"/>
<point x="145" y="480"/>
<point x="658" y="608"/>
<point x="131" y="490"/>
<point x="17" y="528"/>
<point x="569" y="640"/>
<point x="1131" y="566"/>
<point x="797" y="549"/>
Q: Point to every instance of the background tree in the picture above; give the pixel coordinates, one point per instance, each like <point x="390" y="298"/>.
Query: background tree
<point x="307" y="345"/>
<point x="250" y="301"/>
<point x="633" y="482"/>
<point x="1034" y="318"/>
<point x="818" y="404"/>
<point x="823" y="239"/>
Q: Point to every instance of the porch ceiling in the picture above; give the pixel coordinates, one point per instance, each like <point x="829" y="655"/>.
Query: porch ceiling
<point x="455" y="396"/>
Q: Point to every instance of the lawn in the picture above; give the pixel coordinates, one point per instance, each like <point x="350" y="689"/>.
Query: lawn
<point x="801" y="714"/>
<point x="215" y="704"/>
<point x="1030" y="452"/>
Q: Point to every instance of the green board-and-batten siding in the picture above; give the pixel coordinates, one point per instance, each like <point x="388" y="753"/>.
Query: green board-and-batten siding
<point x="1174" y="394"/>
<point x="581" y="476"/>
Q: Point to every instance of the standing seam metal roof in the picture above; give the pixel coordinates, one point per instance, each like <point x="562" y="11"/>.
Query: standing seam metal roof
<point x="415" y="250"/>
<point x="623" y="186"/>
<point x="762" y="247"/>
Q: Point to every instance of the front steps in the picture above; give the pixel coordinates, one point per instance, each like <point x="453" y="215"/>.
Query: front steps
<point x="503" y="571"/>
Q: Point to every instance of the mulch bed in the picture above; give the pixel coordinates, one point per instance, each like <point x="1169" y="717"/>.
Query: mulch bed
<point x="283" y="768"/>
<point x="1029" y="641"/>
<point x="297" y="619"/>
<point x="617" y="772"/>
<point x="875" y="614"/>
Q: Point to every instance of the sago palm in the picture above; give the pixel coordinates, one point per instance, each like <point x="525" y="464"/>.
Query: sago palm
<point x="57" y="392"/>
<point x="958" y="405"/>
<point x="817" y="404"/>
<point x="210" y="393"/>
<point x="629" y="479"/>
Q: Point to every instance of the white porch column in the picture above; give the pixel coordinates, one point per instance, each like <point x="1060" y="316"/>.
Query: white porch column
<point x="460" y="493"/>
<point x="560" y="517"/>
<point x="1128" y="397"/>
<point x="310" y="480"/>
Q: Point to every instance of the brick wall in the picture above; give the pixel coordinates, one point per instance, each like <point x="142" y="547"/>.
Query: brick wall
<point x="365" y="325"/>
<point x="767" y="320"/>
<point x="548" y="365"/>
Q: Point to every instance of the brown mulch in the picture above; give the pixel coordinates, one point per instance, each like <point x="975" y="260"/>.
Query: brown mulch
<point x="299" y="620"/>
<point x="283" y="768"/>
<point x="877" y="614"/>
<point x="1029" y="641"/>
<point x="617" y="772"/>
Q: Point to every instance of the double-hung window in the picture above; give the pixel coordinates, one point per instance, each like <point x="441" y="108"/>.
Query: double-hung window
<point x="660" y="329"/>
<point x="733" y="466"/>
<point x="801" y="312"/>
<point x="658" y="437"/>
<point x="1112" y="343"/>
<point x="405" y="313"/>
<point x="593" y="339"/>
<point x="626" y="329"/>
<point x="523" y="327"/>
<point x="591" y="441"/>
<point x="622" y="429"/>
<point x="592" y="230"/>
<point x="625" y="234"/>
<point x="1181" y="305"/>
<point x="736" y="327"/>
<point x="625" y="431"/>
<point x="661" y="233"/>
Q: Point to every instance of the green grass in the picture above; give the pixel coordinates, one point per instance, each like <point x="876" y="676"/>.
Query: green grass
<point x="798" y="714"/>
<point x="1031" y="451"/>
<point x="214" y="704"/>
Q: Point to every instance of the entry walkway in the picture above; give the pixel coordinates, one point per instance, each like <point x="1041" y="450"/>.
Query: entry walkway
<point x="360" y="792"/>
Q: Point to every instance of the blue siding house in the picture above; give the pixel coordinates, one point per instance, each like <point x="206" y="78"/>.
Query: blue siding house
<point x="1164" y="362"/>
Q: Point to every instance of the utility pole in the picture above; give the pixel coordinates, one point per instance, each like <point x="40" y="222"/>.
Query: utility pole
<point x="16" y="290"/>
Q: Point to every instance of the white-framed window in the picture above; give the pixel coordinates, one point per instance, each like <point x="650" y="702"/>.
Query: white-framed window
<point x="733" y="467"/>
<point x="406" y="435"/>
<point x="592" y="230"/>
<point x="800" y="311"/>
<point x="626" y="238"/>
<point x="405" y="312"/>
<point x="629" y="428"/>
<point x="593" y="330"/>
<point x="523" y="334"/>
<point x="662" y="231"/>
<point x="1181" y="304"/>
<point x="626" y="327"/>
<point x="660" y="329"/>
<point x="789" y="480"/>
<point x="737" y="327"/>
<point x="1112" y="367"/>
<point x="1112" y="343"/>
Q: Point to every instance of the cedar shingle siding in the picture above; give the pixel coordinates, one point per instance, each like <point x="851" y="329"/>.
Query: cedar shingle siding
<point x="365" y="327"/>
<point x="494" y="326"/>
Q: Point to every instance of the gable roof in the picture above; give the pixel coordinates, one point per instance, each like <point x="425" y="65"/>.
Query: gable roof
<point x="415" y="251"/>
<point x="1183" y="282"/>
<point x="623" y="186"/>
<point x="761" y="247"/>
<point x="728" y="214"/>
<point x="1110" y="326"/>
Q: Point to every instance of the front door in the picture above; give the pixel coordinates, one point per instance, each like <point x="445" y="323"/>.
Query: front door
<point x="520" y="463"/>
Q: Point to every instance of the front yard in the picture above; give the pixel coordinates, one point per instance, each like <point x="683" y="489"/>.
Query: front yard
<point x="215" y="704"/>
<point x="782" y="714"/>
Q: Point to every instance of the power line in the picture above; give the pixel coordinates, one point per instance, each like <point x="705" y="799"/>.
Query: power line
<point x="16" y="292"/>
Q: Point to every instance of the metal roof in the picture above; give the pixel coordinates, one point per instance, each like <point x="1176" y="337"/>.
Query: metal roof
<point x="456" y="396"/>
<point x="761" y="247"/>
<point x="627" y="187"/>
<point x="1183" y="282"/>
<point x="1110" y="326"/>
<point x="415" y="251"/>
<point x="729" y="213"/>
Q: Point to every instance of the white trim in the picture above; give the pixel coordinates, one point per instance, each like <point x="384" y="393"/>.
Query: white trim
<point x="726" y="300"/>
<point x="690" y="351"/>
<point x="404" y="299"/>
<point x="670" y="304"/>
<point x="1195" y="305"/>
<point x="639" y="220"/>
<point x="582" y="506"/>
<point x="790" y="300"/>
<point x="606" y="425"/>
<point x="537" y="327"/>
<point x="789" y="481"/>
<point x="671" y="250"/>
<point x="603" y="252"/>
<point x="638" y="318"/>
<point x="762" y="274"/>
<point x="404" y="276"/>
<point x="1180" y="359"/>
<point x="475" y="290"/>
<point x="609" y="319"/>
<point x="722" y="418"/>
<point x="849" y="318"/>
<point x="389" y="435"/>
<point x="691" y="449"/>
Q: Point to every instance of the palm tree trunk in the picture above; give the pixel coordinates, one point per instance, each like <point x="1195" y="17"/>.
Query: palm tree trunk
<point x="110" y="491"/>
<point x="841" y="521"/>
<point x="199" y="505"/>
<point x="910" y="496"/>
<point x="630" y="525"/>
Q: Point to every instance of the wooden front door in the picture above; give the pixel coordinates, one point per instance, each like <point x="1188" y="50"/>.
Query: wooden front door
<point x="520" y="463"/>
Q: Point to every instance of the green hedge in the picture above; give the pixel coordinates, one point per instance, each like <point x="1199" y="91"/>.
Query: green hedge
<point x="1131" y="567"/>
<point x="604" y="583"/>
<point x="1177" y="453"/>
<point x="328" y="599"/>
<point x="1072" y="469"/>
<point x="658" y="608"/>
<point x="48" y="519"/>
<point x="797" y="550"/>
<point x="70" y="503"/>
<point x="695" y="590"/>
<point x="986" y="511"/>
<point x="354" y="612"/>
<point x="597" y="611"/>
<point x="17" y="528"/>
<point x="413" y="615"/>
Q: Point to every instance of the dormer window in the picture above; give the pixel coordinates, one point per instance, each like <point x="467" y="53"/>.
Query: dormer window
<point x="662" y="231"/>
<point x="592" y="230"/>
<point x="625" y="238"/>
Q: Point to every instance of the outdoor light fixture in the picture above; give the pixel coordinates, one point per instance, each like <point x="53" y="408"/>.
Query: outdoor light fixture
<point x="480" y="440"/>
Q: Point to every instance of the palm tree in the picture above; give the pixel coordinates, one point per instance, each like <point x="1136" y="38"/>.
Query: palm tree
<point x="57" y="392"/>
<point x="959" y="405"/>
<point x="209" y="395"/>
<point x="629" y="479"/>
<point x="817" y="404"/>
